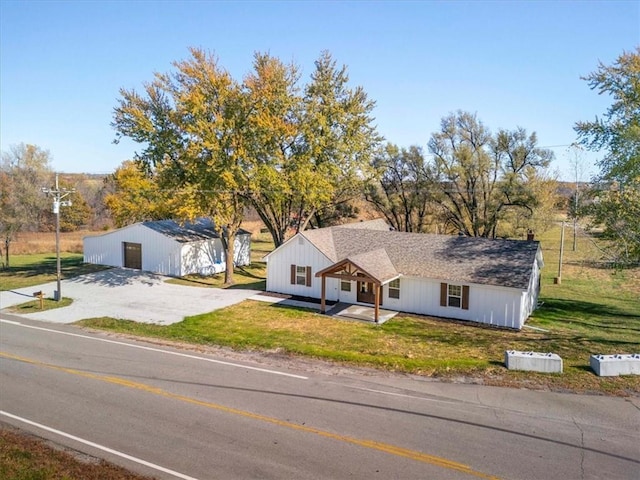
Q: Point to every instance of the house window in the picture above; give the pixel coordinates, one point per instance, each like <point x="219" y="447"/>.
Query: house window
<point x="345" y="285"/>
<point x="300" y="275"/>
<point x="394" y="288"/>
<point x="454" y="296"/>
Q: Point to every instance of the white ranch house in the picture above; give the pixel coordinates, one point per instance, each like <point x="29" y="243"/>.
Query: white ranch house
<point x="166" y="247"/>
<point x="482" y="280"/>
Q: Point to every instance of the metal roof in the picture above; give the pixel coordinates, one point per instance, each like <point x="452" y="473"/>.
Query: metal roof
<point x="199" y="229"/>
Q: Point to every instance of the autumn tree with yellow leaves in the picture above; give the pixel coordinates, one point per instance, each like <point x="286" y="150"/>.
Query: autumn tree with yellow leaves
<point x="218" y="145"/>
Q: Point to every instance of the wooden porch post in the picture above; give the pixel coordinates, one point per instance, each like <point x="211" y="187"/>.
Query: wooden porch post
<point x="377" y="302"/>
<point x="322" y="302"/>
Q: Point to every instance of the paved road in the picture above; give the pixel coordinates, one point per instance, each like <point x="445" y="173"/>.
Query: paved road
<point x="182" y="414"/>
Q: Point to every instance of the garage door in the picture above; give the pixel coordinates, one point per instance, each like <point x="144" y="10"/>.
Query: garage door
<point x="133" y="255"/>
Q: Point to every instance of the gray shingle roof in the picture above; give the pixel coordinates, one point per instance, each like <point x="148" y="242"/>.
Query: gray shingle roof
<point x="199" y="229"/>
<point x="376" y="263"/>
<point x="484" y="261"/>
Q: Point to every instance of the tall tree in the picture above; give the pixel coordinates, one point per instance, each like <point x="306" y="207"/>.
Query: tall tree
<point x="618" y="210"/>
<point x="578" y="169"/>
<point x="273" y="130"/>
<point x="309" y="150"/>
<point x="403" y="190"/>
<point x="517" y="222"/>
<point x="134" y="195"/>
<point x="337" y="143"/>
<point x="24" y="170"/>
<point x="617" y="132"/>
<point x="191" y="122"/>
<point x="78" y="214"/>
<point x="92" y="189"/>
<point x="479" y="176"/>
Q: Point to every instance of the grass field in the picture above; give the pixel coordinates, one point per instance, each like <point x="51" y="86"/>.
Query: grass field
<point x="27" y="243"/>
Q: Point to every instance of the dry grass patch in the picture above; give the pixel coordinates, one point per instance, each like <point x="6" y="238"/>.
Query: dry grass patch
<point x="25" y="457"/>
<point x="34" y="305"/>
<point x="27" y="243"/>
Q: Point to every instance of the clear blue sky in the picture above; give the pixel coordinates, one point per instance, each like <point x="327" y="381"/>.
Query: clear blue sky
<point x="514" y="63"/>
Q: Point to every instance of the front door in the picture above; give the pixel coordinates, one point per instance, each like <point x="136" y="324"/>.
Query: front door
<point x="366" y="293"/>
<point x="132" y="255"/>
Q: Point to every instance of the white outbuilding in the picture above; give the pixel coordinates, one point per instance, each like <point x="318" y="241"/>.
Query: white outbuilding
<point x="166" y="247"/>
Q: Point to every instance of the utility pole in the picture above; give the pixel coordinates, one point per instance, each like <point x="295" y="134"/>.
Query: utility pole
<point x="58" y="194"/>
<point x="575" y="215"/>
<point x="558" y="279"/>
<point x="577" y="165"/>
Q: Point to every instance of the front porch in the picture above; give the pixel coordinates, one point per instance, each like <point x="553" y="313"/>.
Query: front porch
<point x="370" y="271"/>
<point x="361" y="313"/>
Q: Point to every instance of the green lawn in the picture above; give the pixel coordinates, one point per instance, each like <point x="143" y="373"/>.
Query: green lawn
<point x="28" y="270"/>
<point x="252" y="277"/>
<point x="409" y="343"/>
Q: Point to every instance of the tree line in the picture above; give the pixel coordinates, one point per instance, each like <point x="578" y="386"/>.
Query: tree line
<point x="24" y="170"/>
<point x="302" y="154"/>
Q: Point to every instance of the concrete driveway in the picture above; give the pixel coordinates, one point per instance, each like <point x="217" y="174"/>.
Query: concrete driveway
<point x="126" y="294"/>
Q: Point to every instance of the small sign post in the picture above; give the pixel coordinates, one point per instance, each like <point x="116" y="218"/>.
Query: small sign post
<point x="40" y="295"/>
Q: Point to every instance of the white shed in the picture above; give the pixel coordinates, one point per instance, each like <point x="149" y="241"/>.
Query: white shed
<point x="166" y="247"/>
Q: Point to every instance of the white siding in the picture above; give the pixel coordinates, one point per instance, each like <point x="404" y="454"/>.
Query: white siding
<point x="299" y="251"/>
<point x="242" y="250"/>
<point x="160" y="254"/>
<point x="207" y="257"/>
<point x="204" y="257"/>
<point x="530" y="297"/>
<point x="500" y="306"/>
<point x="348" y="297"/>
<point x="492" y="305"/>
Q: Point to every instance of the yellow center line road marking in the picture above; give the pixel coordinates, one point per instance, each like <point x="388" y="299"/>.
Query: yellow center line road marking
<point x="152" y="349"/>
<point x="371" y="444"/>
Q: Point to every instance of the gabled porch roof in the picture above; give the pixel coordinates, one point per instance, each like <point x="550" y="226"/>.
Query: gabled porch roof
<point x="374" y="266"/>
